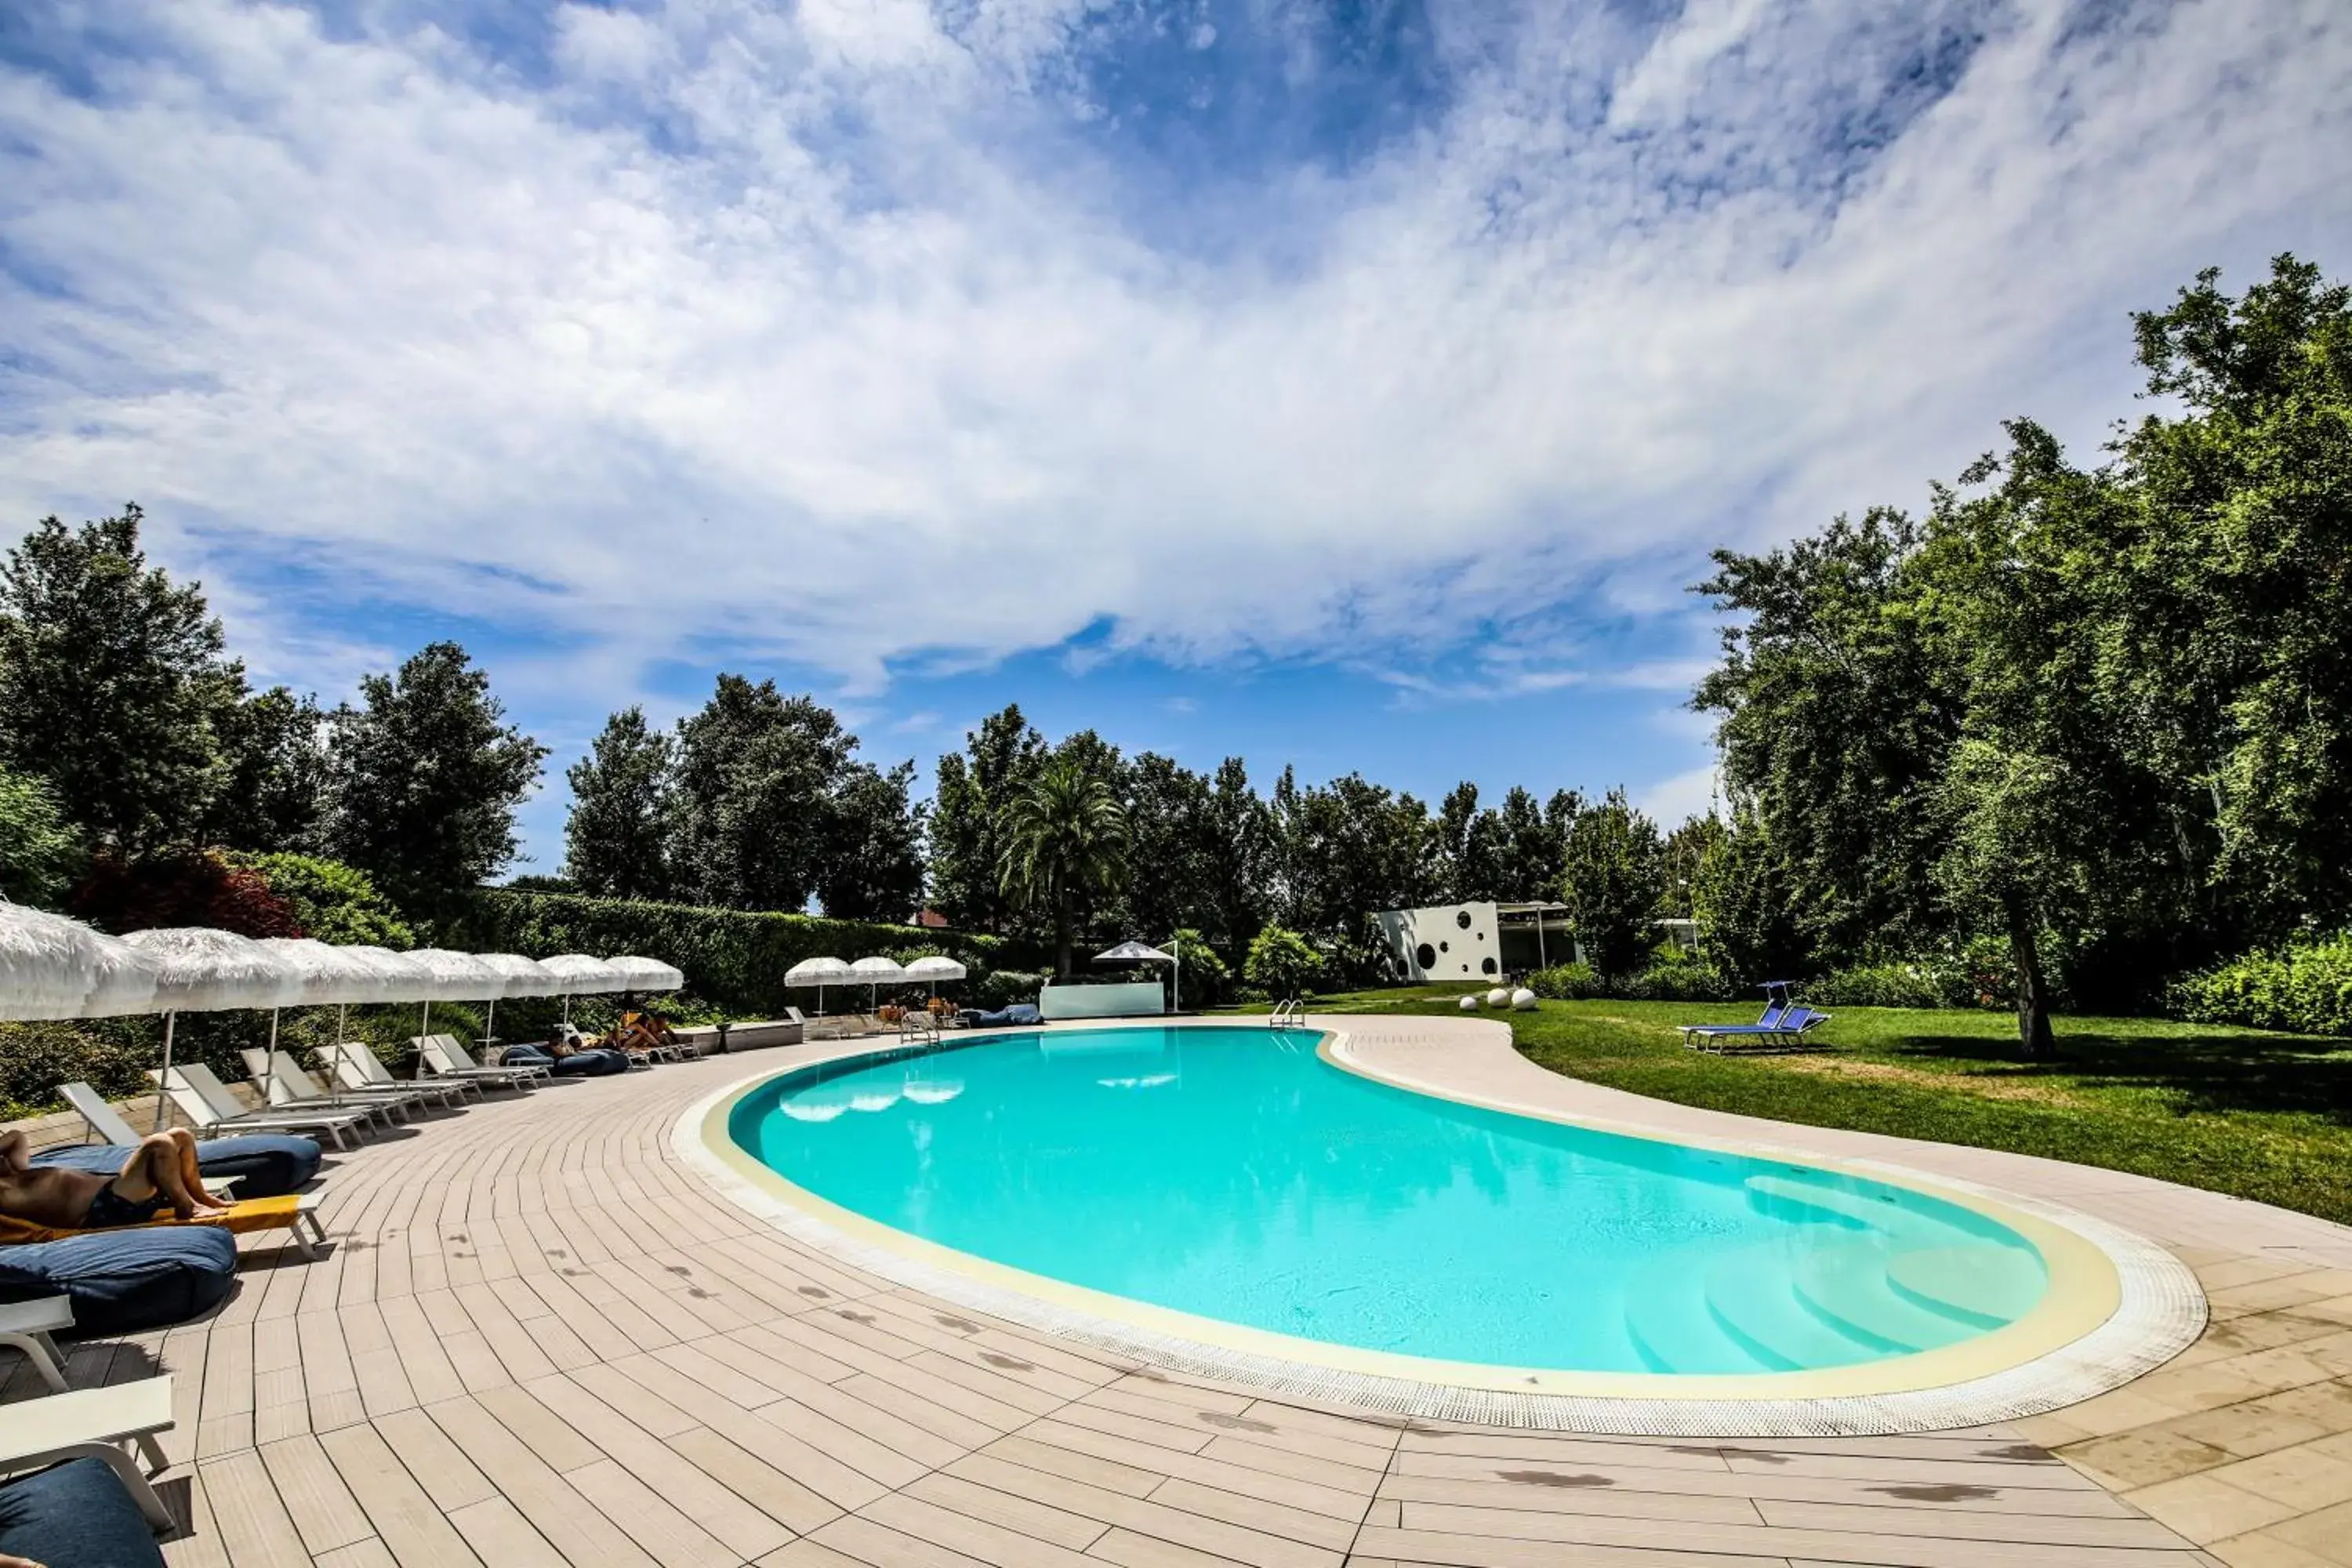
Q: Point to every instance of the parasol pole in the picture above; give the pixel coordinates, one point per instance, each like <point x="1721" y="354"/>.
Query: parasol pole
<point x="163" y="1085"/>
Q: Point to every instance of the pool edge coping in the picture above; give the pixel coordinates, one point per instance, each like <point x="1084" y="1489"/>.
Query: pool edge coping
<point x="2156" y="1311"/>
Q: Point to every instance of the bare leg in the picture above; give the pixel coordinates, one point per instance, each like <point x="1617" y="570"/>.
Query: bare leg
<point x="154" y="1172"/>
<point x="191" y="1173"/>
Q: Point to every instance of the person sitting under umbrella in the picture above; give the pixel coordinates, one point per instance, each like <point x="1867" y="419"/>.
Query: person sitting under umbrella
<point x="162" y="1170"/>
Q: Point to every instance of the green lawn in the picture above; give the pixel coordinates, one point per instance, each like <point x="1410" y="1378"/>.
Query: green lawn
<point x="2259" y="1115"/>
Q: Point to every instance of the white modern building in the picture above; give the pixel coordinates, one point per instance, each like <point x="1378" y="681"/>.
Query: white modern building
<point x="1476" y="942"/>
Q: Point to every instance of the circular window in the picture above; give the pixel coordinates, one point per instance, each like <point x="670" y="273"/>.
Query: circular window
<point x="1462" y="918"/>
<point x="1425" y="956"/>
<point x="1487" y="964"/>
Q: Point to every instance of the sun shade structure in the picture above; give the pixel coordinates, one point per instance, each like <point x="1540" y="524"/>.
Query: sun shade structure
<point x="524" y="977"/>
<point x="648" y="973"/>
<point x="454" y="977"/>
<point x="1136" y="953"/>
<point x="877" y="970"/>
<point x="326" y="975"/>
<point x="199" y="970"/>
<point x="818" y="973"/>
<point x="935" y="969"/>
<point x="581" y="976"/>
<point x="52" y="967"/>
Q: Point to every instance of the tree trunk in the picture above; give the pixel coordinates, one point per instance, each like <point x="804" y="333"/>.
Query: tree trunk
<point x="2032" y="989"/>
<point x="1062" y="943"/>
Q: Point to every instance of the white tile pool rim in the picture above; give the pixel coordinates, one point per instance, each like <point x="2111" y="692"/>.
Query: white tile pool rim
<point x="2119" y="1304"/>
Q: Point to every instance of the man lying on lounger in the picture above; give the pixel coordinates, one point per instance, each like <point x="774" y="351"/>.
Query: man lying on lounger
<point x="160" y="1173"/>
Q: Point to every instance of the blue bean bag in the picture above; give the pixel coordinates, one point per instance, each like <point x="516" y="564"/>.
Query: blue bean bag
<point x="593" y="1063"/>
<point x="1019" y="1013"/>
<point x="75" y="1515"/>
<point x="121" y="1281"/>
<point x="266" y="1165"/>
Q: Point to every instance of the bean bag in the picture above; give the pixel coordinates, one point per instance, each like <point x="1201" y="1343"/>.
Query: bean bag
<point x="1019" y="1013"/>
<point x="593" y="1063"/>
<point x="124" y="1280"/>
<point x="75" y="1515"/>
<point x="265" y="1166"/>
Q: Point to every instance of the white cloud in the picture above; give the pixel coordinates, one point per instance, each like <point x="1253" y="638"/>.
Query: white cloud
<point x="1669" y="801"/>
<point x="841" y="330"/>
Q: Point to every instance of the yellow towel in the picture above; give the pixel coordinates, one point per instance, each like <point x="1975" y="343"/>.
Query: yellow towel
<point x="253" y="1213"/>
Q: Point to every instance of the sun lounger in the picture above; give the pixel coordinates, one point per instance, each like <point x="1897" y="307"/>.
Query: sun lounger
<point x="27" y="1325"/>
<point x="1783" y="1034"/>
<point x="444" y="1057"/>
<point x="290" y="1084"/>
<point x="94" y="1423"/>
<point x="284" y="1095"/>
<point x="356" y="1066"/>
<point x="206" y="1102"/>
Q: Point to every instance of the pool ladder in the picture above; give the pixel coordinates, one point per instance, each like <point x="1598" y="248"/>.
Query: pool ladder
<point x="1291" y="1010"/>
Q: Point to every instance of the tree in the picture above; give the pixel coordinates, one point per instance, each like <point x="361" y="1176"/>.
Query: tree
<point x="616" y="836"/>
<point x="1745" y="900"/>
<point x="754" y="772"/>
<point x="1282" y="963"/>
<point x="1172" y="830"/>
<point x="872" y="867"/>
<point x="1614" y="877"/>
<point x="428" y="776"/>
<point x="1239" y="846"/>
<point x="1203" y="976"/>
<point x="967" y="802"/>
<point x="276" y="775"/>
<point x="332" y="902"/>
<point x="1064" y="841"/>
<point x="40" y="854"/>
<point x="111" y="679"/>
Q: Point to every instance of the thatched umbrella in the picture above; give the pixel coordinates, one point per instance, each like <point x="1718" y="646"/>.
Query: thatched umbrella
<point x="581" y="976"/>
<point x="200" y="970"/>
<point x="877" y="971"/>
<point x="52" y="967"/>
<point x="524" y="977"/>
<point x="817" y="972"/>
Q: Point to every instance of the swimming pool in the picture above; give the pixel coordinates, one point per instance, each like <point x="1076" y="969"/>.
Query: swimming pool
<point x="1236" y="1176"/>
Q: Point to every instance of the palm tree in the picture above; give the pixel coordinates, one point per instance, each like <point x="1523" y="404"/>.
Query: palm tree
<point x="1064" y="837"/>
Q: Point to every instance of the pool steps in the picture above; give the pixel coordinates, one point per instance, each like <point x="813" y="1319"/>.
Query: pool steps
<point x="1841" y="1304"/>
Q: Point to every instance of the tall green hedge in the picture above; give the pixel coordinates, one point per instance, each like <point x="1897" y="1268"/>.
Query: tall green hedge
<point x="2305" y="987"/>
<point x="733" y="959"/>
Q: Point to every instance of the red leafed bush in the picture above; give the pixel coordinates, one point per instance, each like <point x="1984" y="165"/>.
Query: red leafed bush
<point x="182" y="891"/>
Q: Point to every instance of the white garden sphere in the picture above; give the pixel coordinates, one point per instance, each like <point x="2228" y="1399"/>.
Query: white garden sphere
<point x="1470" y="1002"/>
<point x="1498" y="998"/>
<point x="1524" y="1000"/>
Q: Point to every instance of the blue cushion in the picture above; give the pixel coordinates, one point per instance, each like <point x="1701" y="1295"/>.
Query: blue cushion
<point x="124" y="1280"/>
<point x="595" y="1062"/>
<point x="75" y="1515"/>
<point x="266" y="1165"/>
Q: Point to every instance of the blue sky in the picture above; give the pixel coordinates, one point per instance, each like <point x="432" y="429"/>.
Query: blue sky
<point x="1351" y="384"/>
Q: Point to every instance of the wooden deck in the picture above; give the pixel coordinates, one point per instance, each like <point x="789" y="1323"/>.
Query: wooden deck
<point x="539" y="1340"/>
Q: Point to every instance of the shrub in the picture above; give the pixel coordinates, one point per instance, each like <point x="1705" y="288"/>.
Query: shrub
<point x="1206" y="980"/>
<point x="201" y="890"/>
<point x="733" y="959"/>
<point x="1000" y="988"/>
<point x="1282" y="962"/>
<point x="332" y="902"/>
<point x="1888" y="985"/>
<point x="36" y="1057"/>
<point x="1566" y="983"/>
<point x="1678" y="980"/>
<point x="2306" y="987"/>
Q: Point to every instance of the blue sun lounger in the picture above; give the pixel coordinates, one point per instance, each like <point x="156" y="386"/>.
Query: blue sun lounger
<point x="1783" y="1024"/>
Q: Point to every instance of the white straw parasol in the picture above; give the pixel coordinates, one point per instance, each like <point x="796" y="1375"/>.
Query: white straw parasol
<point x="647" y="975"/>
<point x="524" y="977"/>
<point x="336" y="977"/>
<point x="52" y="967"/>
<point x="818" y="973"/>
<point x="581" y="976"/>
<point x="934" y="969"/>
<point x="454" y="977"/>
<point x="199" y="970"/>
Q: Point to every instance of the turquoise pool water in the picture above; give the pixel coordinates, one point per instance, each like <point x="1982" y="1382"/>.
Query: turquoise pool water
<point x="1233" y="1173"/>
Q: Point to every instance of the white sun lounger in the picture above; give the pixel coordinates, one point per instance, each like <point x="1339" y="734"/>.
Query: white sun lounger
<point x="94" y="1423"/>
<point x="444" y="1056"/>
<point x="208" y="1103"/>
<point x="27" y="1325"/>
<point x="286" y="1095"/>
<point x="105" y="1123"/>
<point x="356" y="1066"/>
<point x="292" y="1085"/>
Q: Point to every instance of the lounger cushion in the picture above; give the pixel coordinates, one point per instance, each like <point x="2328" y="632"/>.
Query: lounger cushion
<point x="266" y="1165"/>
<point x="75" y="1515"/>
<point x="121" y="1281"/>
